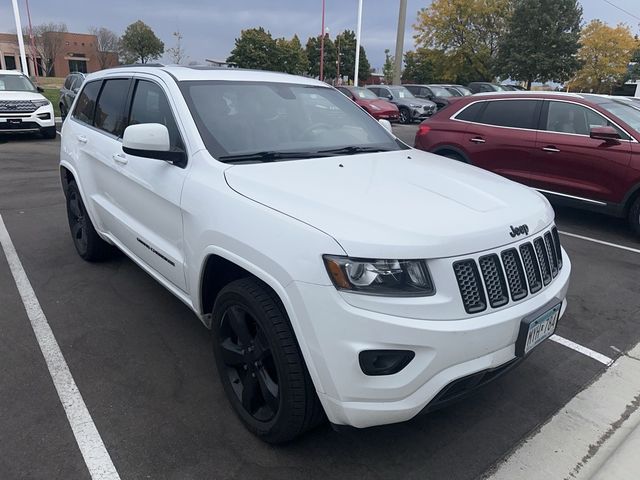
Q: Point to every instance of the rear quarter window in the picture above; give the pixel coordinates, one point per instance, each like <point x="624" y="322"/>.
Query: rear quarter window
<point x="471" y="112"/>
<point x="86" y="104"/>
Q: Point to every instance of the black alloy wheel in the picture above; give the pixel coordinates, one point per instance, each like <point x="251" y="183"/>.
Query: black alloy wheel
<point x="405" y="116"/>
<point x="77" y="221"/>
<point x="249" y="363"/>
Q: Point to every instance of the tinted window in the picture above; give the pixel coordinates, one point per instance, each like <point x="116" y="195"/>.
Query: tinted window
<point x="67" y="82"/>
<point x="150" y="105"/>
<point x="413" y="89"/>
<point x="110" y="109"/>
<point x="86" y="103"/>
<point x="573" y="118"/>
<point x="511" y="113"/>
<point x="470" y="113"/>
<point x="77" y="82"/>
<point x="345" y="91"/>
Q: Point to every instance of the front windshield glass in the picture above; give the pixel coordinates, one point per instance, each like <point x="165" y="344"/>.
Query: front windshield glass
<point x="626" y="112"/>
<point x="440" y="91"/>
<point x="16" y="83"/>
<point x="401" y="92"/>
<point x="244" y="118"/>
<point x="365" y="93"/>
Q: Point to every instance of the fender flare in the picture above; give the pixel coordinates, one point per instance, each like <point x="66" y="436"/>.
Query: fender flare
<point x="451" y="148"/>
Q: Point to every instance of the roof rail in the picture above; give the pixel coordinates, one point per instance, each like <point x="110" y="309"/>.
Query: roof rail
<point x="140" y="65"/>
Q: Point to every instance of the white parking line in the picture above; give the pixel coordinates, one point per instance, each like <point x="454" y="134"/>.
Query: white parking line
<point x="601" y="242"/>
<point x="584" y="350"/>
<point x="91" y="446"/>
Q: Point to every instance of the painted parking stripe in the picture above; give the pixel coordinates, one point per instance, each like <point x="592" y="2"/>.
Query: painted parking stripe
<point x="89" y="441"/>
<point x="584" y="350"/>
<point x="601" y="242"/>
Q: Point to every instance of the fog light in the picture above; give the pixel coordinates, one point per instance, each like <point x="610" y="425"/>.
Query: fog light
<point x="44" y="116"/>
<point x="384" y="362"/>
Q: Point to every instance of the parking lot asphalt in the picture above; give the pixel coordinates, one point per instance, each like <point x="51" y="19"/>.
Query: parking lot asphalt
<point x="143" y="363"/>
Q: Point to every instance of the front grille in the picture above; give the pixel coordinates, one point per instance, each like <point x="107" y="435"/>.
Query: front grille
<point x="17" y="106"/>
<point x="470" y="286"/>
<point x="19" y="126"/>
<point x="514" y="273"/>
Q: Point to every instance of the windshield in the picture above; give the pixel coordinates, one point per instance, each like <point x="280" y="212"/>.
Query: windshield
<point x="401" y="92"/>
<point x="364" y="93"/>
<point x="463" y="90"/>
<point x="266" y="120"/>
<point x="440" y="91"/>
<point x="16" y="83"/>
<point x="626" y="112"/>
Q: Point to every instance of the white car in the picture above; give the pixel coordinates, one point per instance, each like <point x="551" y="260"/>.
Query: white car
<point x="340" y="271"/>
<point x="22" y="107"/>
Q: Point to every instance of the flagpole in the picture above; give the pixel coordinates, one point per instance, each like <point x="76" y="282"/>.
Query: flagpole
<point x="321" y="46"/>
<point x="23" y="56"/>
<point x="358" y="31"/>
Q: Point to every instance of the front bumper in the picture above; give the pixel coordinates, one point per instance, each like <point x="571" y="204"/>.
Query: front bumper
<point x="422" y="113"/>
<point x="392" y="115"/>
<point x="335" y="332"/>
<point x="43" y="117"/>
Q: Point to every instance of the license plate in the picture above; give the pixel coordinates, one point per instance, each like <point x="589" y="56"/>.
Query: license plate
<point x="536" y="329"/>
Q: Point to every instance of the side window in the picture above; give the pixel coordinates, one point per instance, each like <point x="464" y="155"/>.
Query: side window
<point x="385" y="93"/>
<point x="425" y="92"/>
<point x="566" y="117"/>
<point x="67" y="82"/>
<point x="486" y="88"/>
<point x="344" y="91"/>
<point x="511" y="113"/>
<point x="413" y="89"/>
<point x="110" y="108"/>
<point x="375" y="90"/>
<point x="470" y="114"/>
<point x="150" y="105"/>
<point x="86" y="103"/>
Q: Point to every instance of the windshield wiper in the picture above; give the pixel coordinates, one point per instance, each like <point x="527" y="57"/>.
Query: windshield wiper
<point x="267" y="156"/>
<point x="352" y="150"/>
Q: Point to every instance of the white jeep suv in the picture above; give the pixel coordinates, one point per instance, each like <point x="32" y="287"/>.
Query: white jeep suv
<point x="22" y="107"/>
<point x="341" y="272"/>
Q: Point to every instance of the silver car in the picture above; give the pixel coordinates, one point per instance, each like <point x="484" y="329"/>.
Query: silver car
<point x="411" y="108"/>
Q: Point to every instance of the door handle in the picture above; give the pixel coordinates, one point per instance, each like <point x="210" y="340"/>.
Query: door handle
<point x="477" y="140"/>
<point x="550" y="148"/>
<point x="119" y="158"/>
<point x="81" y="138"/>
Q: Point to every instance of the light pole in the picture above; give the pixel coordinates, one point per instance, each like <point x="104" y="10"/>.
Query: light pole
<point x="23" y="56"/>
<point x="33" y="44"/>
<point x="321" y="46"/>
<point x="358" y="30"/>
<point x="402" y="18"/>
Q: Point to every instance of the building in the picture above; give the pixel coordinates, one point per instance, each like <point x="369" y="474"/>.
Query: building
<point x="75" y="52"/>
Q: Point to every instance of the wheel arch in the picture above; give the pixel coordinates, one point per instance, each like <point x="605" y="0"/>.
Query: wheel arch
<point x="443" y="149"/>
<point x="630" y="197"/>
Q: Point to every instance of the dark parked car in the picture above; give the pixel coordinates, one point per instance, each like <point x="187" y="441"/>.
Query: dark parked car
<point x="371" y="103"/>
<point x="579" y="149"/>
<point x="436" y="93"/>
<point x="481" y="87"/>
<point x="411" y="108"/>
<point x="69" y="90"/>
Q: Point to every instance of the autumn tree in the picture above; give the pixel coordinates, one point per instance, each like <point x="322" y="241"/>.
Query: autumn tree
<point x="313" y="55"/>
<point x="541" y="41"/>
<point x="48" y="41"/>
<point x="466" y="30"/>
<point x="604" y="53"/>
<point x="388" y="68"/>
<point x="107" y="45"/>
<point x="346" y="43"/>
<point x="139" y="43"/>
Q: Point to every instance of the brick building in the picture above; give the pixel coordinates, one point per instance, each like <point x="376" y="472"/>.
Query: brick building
<point x="77" y="52"/>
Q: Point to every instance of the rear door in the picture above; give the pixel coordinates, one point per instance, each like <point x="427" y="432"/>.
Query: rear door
<point x="568" y="161"/>
<point x="502" y="139"/>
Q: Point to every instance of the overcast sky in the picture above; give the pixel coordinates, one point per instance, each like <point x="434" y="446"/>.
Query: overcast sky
<point x="209" y="27"/>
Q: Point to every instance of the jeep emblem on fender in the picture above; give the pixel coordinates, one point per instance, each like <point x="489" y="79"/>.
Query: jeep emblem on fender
<point x="515" y="231"/>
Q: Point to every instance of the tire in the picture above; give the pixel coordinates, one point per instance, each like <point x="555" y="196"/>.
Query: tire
<point x="63" y="111"/>
<point x="634" y="216"/>
<point x="88" y="243"/>
<point x="405" y="116"/>
<point x="49" y="132"/>
<point x="260" y="364"/>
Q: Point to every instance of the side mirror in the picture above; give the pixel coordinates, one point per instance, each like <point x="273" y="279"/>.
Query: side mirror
<point x="389" y="97"/>
<point x="607" y="133"/>
<point x="386" y="124"/>
<point x="40" y="89"/>
<point x="151" y="140"/>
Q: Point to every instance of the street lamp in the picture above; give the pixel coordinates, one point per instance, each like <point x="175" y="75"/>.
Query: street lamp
<point x="358" y="31"/>
<point x="321" y="45"/>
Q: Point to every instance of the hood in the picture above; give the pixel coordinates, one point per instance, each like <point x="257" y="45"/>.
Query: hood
<point x="381" y="104"/>
<point x="12" y="95"/>
<point x="415" y="101"/>
<point x="404" y="204"/>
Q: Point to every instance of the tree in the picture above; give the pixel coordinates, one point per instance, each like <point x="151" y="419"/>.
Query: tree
<point x="313" y="55"/>
<point x="48" y="41"/>
<point x="177" y="53"/>
<point x="291" y="56"/>
<point x="255" y="48"/>
<point x="605" y="53"/>
<point x="107" y="44"/>
<point x="139" y="43"/>
<point x="346" y="43"/>
<point x="542" y="41"/>
<point x="388" y="68"/>
<point x="467" y="30"/>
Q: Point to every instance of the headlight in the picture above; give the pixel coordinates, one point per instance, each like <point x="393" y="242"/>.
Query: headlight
<point x="392" y="278"/>
<point x="41" y="103"/>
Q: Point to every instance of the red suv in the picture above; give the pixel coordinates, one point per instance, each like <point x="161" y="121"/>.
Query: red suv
<point x="371" y="103"/>
<point x="579" y="149"/>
